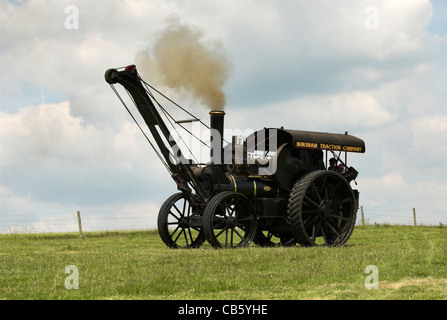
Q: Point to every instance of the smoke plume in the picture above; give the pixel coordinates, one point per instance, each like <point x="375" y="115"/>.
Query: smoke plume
<point x="182" y="60"/>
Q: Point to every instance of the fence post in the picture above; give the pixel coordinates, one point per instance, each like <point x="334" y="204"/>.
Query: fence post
<point x="80" y="224"/>
<point x="414" y="216"/>
<point x="363" y="217"/>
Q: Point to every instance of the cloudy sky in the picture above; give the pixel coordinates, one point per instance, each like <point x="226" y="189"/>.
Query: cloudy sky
<point x="374" y="68"/>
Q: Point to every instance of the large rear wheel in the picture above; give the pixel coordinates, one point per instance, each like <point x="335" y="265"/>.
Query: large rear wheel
<point x="322" y="209"/>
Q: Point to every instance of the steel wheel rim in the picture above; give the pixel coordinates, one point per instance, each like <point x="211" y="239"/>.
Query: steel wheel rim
<point x="175" y="223"/>
<point x="324" y="209"/>
<point x="231" y="221"/>
<point x="325" y="212"/>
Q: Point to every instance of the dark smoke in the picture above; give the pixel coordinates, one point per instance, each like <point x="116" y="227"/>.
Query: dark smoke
<point x="182" y="60"/>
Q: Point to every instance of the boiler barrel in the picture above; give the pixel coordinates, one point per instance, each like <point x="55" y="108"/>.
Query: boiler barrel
<point x="253" y="188"/>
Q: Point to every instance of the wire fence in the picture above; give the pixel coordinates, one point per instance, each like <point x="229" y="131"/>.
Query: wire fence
<point x="68" y="222"/>
<point x="410" y="216"/>
<point x="89" y="221"/>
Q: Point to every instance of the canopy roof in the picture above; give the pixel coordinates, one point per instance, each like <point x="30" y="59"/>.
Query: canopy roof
<point x="310" y="140"/>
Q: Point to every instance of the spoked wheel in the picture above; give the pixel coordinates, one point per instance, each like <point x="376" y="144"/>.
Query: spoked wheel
<point x="322" y="209"/>
<point x="178" y="224"/>
<point x="271" y="239"/>
<point x="229" y="220"/>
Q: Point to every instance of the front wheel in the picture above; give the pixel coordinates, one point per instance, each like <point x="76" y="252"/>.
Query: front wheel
<point x="229" y="220"/>
<point x="177" y="225"/>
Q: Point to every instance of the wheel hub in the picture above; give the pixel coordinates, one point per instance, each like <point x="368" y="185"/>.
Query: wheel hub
<point x="324" y="210"/>
<point x="183" y="223"/>
<point x="231" y="222"/>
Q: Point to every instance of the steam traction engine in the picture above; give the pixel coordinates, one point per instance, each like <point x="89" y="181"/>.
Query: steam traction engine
<point x="271" y="189"/>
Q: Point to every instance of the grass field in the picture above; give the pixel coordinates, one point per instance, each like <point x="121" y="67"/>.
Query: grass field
<point x="411" y="264"/>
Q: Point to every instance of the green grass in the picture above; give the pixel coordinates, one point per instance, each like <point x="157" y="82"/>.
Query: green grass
<point x="412" y="264"/>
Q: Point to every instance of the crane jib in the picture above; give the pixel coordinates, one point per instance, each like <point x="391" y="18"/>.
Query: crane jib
<point x="178" y="166"/>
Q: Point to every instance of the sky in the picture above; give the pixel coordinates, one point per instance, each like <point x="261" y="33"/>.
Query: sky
<point x="374" y="68"/>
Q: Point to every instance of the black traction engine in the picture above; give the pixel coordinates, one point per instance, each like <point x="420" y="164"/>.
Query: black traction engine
<point x="274" y="187"/>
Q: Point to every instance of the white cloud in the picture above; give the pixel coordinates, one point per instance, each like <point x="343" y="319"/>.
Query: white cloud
<point x="391" y="199"/>
<point x="428" y="149"/>
<point x="40" y="133"/>
<point x="430" y="136"/>
<point x="349" y="111"/>
<point x="322" y="46"/>
<point x="9" y="202"/>
<point x="49" y="154"/>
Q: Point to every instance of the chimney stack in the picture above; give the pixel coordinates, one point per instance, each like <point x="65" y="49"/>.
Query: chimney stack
<point x="217" y="128"/>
